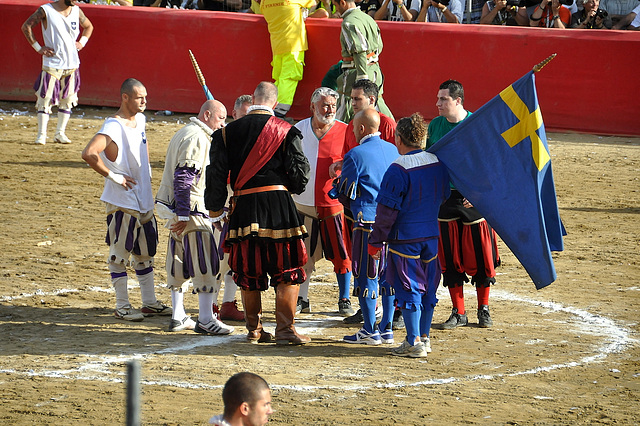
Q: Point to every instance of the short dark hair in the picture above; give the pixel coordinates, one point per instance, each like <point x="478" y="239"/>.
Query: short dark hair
<point x="128" y="85"/>
<point x="412" y="130"/>
<point x="368" y="87"/>
<point x="242" y="387"/>
<point x="455" y="89"/>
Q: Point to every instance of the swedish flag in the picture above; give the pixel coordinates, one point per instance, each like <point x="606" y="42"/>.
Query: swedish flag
<point x="498" y="158"/>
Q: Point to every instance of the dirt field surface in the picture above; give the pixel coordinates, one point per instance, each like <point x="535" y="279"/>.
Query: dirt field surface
<point x="567" y="354"/>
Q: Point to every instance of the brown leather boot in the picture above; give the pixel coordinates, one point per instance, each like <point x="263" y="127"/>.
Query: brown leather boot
<point x="286" y="300"/>
<point x="252" y="302"/>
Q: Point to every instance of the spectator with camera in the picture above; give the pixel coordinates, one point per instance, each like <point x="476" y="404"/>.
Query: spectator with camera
<point x="504" y="12"/>
<point x="591" y="16"/>
<point x="618" y="9"/>
<point x="398" y="10"/>
<point x="445" y="11"/>
<point x="551" y="14"/>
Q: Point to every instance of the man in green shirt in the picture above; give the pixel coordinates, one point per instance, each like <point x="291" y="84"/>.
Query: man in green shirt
<point x="468" y="242"/>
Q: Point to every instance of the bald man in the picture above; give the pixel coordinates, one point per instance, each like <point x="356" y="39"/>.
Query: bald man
<point x="357" y="188"/>
<point x="262" y="157"/>
<point x="192" y="253"/>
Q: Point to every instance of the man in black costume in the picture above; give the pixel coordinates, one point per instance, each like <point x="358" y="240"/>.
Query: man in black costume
<point x="263" y="157"/>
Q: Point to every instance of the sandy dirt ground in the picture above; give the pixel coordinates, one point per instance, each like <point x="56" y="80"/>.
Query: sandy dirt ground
<point x="567" y="354"/>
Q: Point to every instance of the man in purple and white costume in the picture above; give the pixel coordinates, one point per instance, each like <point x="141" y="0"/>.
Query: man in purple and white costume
<point x="192" y="253"/>
<point x="411" y="192"/>
<point x="59" y="81"/>
<point x="119" y="152"/>
<point x="357" y="188"/>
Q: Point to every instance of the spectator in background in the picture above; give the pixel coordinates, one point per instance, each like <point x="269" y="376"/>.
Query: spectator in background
<point x="476" y="11"/>
<point x="111" y="2"/>
<point x="498" y="12"/>
<point x="631" y="21"/>
<point x="370" y="7"/>
<point x="445" y="12"/>
<point x="591" y="16"/>
<point x="220" y="5"/>
<point x="618" y="9"/>
<point x="398" y="10"/>
<point x="550" y="14"/>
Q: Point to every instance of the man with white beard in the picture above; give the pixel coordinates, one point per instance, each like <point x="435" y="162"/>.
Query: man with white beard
<point x="329" y="233"/>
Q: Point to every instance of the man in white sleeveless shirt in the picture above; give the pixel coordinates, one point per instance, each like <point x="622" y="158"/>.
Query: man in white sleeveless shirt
<point x="119" y="152"/>
<point x="59" y="81"/>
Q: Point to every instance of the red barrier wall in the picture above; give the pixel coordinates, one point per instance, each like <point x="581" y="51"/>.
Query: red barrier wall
<point x="592" y="86"/>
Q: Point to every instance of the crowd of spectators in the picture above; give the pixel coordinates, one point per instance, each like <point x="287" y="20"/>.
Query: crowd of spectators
<point x="580" y="14"/>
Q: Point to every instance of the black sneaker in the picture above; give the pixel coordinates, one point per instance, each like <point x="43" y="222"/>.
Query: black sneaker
<point x="398" y="320"/>
<point x="344" y="307"/>
<point x="484" y="319"/>
<point x="455" y="320"/>
<point x="356" y="318"/>
<point x="302" y="306"/>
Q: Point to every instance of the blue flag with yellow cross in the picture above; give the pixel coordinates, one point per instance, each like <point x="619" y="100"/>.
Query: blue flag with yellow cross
<point x="498" y="158"/>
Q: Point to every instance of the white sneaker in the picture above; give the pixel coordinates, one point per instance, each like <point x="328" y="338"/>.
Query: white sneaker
<point x="405" y="349"/>
<point x="185" y="323"/>
<point x="61" y="138"/>
<point x="427" y="343"/>
<point x="127" y="313"/>
<point x="215" y="326"/>
<point x="41" y="139"/>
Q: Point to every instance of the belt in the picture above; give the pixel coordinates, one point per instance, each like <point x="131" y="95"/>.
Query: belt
<point x="257" y="189"/>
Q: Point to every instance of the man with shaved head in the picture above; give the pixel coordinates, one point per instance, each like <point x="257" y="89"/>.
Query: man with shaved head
<point x="262" y="157"/>
<point x="357" y="188"/>
<point x="119" y="152"/>
<point x="192" y="253"/>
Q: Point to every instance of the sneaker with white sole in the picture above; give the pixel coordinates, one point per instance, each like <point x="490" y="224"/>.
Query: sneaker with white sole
<point x="215" y="327"/>
<point x="41" y="139"/>
<point x="386" y="336"/>
<point x="157" y="308"/>
<point x="127" y="313"/>
<point x="185" y="323"/>
<point x="426" y="341"/>
<point x="302" y="306"/>
<point x="344" y="308"/>
<point x="406" y="349"/>
<point x="364" y="337"/>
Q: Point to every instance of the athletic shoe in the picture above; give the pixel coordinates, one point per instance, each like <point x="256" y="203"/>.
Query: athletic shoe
<point x="363" y="337"/>
<point x="41" y="139"/>
<point x="455" y="320"/>
<point x="426" y="341"/>
<point x="61" y="138"/>
<point x="386" y="336"/>
<point x="484" y="319"/>
<point x="127" y="313"/>
<point x="405" y="349"/>
<point x="356" y="318"/>
<point x="215" y="327"/>
<point x="185" y="323"/>
<point x="229" y="311"/>
<point x="398" y="320"/>
<point x="344" y="308"/>
<point x="302" y="306"/>
<point x="157" y="308"/>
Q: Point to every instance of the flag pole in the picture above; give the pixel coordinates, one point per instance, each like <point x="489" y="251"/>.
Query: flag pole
<point x="542" y="64"/>
<point x="200" y="76"/>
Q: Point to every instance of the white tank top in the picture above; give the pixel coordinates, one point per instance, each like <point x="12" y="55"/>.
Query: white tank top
<point x="61" y="35"/>
<point x="133" y="161"/>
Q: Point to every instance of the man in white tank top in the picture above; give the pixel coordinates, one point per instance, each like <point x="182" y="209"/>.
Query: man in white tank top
<point x="119" y="152"/>
<point x="59" y="81"/>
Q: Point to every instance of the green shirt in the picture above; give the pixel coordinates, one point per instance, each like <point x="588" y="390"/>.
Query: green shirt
<point x="438" y="127"/>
